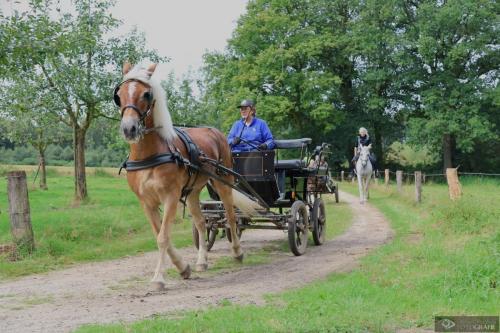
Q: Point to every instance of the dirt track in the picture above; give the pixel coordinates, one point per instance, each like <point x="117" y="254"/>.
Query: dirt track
<point x="119" y="290"/>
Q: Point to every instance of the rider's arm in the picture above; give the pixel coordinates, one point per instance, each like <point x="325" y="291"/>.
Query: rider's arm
<point x="267" y="136"/>
<point x="232" y="133"/>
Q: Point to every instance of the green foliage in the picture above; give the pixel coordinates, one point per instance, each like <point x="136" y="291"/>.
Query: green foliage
<point x="409" y="156"/>
<point x="457" y="63"/>
<point x="405" y="70"/>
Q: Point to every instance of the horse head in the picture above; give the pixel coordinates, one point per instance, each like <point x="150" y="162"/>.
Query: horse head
<point x="364" y="155"/>
<point x="134" y="96"/>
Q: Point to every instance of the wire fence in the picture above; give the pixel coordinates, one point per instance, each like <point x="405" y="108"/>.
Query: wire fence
<point x="409" y="177"/>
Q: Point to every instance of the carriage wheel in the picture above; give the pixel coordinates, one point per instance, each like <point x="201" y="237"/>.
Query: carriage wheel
<point x="318" y="221"/>
<point x="298" y="228"/>
<point x="209" y="237"/>
<point x="336" y="194"/>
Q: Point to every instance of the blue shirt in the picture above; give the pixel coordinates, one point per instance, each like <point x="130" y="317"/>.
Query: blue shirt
<point x="256" y="133"/>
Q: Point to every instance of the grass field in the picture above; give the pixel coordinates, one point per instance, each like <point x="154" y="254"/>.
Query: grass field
<point x="110" y="225"/>
<point x="444" y="260"/>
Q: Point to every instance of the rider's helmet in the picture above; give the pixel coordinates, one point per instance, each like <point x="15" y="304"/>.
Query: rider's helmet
<point x="248" y="102"/>
<point x="363" y="131"/>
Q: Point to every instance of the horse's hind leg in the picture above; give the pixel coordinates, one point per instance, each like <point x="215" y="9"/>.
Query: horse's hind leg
<point x="226" y="194"/>
<point x="193" y="202"/>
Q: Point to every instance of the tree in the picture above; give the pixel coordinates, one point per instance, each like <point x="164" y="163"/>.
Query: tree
<point x="183" y="105"/>
<point x="69" y="58"/>
<point x="28" y="120"/>
<point x="276" y="57"/>
<point x="457" y="56"/>
<point x="377" y="35"/>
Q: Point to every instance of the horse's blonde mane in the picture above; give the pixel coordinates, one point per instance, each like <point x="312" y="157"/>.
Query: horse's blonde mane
<point x="161" y="116"/>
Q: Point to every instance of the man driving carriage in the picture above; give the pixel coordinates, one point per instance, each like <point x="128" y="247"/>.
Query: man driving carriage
<point x="250" y="133"/>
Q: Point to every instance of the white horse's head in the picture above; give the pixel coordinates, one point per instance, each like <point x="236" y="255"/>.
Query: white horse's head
<point x="364" y="154"/>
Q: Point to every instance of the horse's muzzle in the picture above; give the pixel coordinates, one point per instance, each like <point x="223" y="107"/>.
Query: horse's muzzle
<point x="131" y="129"/>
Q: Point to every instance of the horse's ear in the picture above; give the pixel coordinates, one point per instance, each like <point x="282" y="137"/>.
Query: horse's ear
<point x="127" y="66"/>
<point x="151" y="69"/>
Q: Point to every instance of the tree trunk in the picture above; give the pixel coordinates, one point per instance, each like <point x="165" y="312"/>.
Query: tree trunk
<point x="378" y="147"/>
<point x="79" y="156"/>
<point x="43" y="170"/>
<point x="448" y="147"/>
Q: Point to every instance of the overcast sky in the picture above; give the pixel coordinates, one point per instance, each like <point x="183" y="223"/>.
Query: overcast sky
<point x="180" y="29"/>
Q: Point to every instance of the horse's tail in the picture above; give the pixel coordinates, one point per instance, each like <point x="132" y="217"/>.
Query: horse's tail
<point x="246" y="205"/>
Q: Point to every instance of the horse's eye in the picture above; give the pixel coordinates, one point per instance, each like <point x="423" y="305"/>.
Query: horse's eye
<point x="147" y="96"/>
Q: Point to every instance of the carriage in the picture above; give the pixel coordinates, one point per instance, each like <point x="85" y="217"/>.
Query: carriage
<point x="298" y="209"/>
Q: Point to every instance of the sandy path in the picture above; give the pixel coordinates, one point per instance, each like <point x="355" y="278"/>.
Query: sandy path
<point x="119" y="290"/>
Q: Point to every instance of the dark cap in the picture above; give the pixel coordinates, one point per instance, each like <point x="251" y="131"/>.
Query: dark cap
<point x="246" y="102"/>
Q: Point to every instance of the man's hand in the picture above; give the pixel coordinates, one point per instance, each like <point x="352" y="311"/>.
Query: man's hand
<point x="236" y="141"/>
<point x="263" y="146"/>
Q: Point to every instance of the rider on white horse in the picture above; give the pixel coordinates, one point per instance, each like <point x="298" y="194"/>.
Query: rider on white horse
<point x="363" y="140"/>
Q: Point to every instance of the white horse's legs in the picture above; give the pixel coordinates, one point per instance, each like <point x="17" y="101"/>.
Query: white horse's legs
<point x="193" y="202"/>
<point x="367" y="185"/>
<point x="360" y="187"/>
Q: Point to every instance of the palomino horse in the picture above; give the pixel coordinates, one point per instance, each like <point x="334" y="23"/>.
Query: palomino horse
<point x="364" y="172"/>
<point x="147" y="126"/>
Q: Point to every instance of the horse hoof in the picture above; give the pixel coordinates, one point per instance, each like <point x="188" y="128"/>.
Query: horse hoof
<point x="201" y="267"/>
<point x="186" y="273"/>
<point x="240" y="257"/>
<point x="158" y="286"/>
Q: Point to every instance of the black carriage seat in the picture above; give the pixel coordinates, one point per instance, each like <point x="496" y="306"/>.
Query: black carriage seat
<point x="293" y="143"/>
<point x="289" y="164"/>
<point x="290" y="144"/>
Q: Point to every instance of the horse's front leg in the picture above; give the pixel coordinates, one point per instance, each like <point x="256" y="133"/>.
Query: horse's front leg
<point x="165" y="245"/>
<point x="360" y="188"/>
<point x="193" y="202"/>
<point x="367" y="185"/>
<point x="153" y="215"/>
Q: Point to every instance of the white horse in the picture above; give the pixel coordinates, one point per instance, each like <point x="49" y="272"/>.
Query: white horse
<point x="364" y="172"/>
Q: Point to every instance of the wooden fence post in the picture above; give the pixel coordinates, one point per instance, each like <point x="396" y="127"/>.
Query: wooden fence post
<point x="399" y="180"/>
<point x="386" y="177"/>
<point x="454" y="187"/>
<point x="342" y="175"/>
<point x="19" y="210"/>
<point x="418" y="186"/>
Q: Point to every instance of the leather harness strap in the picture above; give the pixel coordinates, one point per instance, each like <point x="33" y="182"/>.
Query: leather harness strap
<point x="194" y="166"/>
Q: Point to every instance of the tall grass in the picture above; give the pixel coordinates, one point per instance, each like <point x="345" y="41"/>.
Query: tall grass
<point x="443" y="260"/>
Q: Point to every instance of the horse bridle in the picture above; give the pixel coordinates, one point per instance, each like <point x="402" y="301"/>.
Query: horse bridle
<point x="142" y="115"/>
